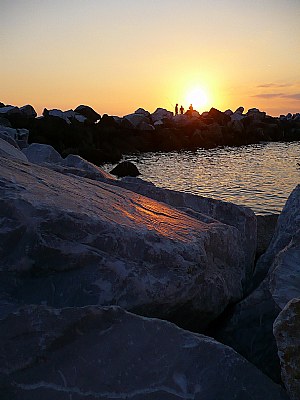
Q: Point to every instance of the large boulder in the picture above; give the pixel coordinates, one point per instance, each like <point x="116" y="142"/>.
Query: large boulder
<point x="28" y="111"/>
<point x="72" y="241"/>
<point x="106" y="353"/>
<point x="249" y="328"/>
<point x="266" y="225"/>
<point x="38" y="153"/>
<point x="239" y="217"/>
<point x="218" y="116"/>
<point x="125" y="168"/>
<point x="287" y="225"/>
<point x="10" y="150"/>
<point x="287" y="334"/>
<point x="88" y="112"/>
<point x="81" y="167"/>
<point x="136" y="119"/>
<point x="161" y="114"/>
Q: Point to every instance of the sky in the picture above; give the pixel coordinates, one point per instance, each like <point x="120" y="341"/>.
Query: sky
<point x="119" y="55"/>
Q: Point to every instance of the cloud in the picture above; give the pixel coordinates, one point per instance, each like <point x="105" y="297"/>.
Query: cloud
<point x="268" y="95"/>
<point x="295" y="96"/>
<point x="274" y="85"/>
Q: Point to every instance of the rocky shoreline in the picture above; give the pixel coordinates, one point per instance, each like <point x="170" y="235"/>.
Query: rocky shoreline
<point x="114" y="289"/>
<point x="105" y="138"/>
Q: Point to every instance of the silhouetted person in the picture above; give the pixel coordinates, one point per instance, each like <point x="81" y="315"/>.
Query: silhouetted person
<point x="191" y="108"/>
<point x="181" y="110"/>
<point x="176" y="109"/>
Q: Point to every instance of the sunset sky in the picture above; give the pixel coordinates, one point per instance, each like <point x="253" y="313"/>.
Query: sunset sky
<point x="119" y="55"/>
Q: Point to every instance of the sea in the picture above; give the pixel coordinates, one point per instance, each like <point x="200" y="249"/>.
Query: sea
<point x="260" y="176"/>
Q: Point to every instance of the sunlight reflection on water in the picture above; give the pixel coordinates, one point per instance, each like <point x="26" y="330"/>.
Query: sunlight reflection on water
<point x="260" y="176"/>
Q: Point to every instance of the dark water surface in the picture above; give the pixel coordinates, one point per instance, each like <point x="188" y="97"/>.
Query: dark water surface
<point x="260" y="176"/>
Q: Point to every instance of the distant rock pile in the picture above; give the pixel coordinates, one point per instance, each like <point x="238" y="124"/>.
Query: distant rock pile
<point x="87" y="261"/>
<point x="106" y="138"/>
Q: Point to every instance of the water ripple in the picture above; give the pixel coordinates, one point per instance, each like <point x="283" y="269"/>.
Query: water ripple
<point x="260" y="176"/>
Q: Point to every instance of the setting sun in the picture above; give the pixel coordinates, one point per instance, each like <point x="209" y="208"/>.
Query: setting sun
<point x="198" y="98"/>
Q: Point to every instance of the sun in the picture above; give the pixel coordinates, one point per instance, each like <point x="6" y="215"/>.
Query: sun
<point x="198" y="98"/>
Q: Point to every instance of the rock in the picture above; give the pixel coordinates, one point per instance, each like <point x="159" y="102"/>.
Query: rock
<point x="242" y="218"/>
<point x="125" y="168"/>
<point x="55" y="113"/>
<point x="144" y="126"/>
<point x="106" y="353"/>
<point x="70" y="241"/>
<point x="266" y="225"/>
<point x="42" y="153"/>
<point x="136" y="119"/>
<point x="228" y="112"/>
<point x="9" y="139"/>
<point x="286" y="332"/>
<point x="218" y="116"/>
<point x="5" y="122"/>
<point x="287" y="226"/>
<point x="160" y="114"/>
<point x="257" y="115"/>
<point x="88" y="169"/>
<point x="141" y="111"/>
<point x="9" y="150"/>
<point x="88" y="112"/>
<point x="28" y="111"/>
<point x="249" y="327"/>
<point x="240" y="110"/>
<point x="10" y="111"/>
<point x="284" y="280"/>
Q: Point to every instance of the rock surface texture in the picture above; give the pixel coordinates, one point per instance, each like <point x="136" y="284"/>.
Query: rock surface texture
<point x="287" y="334"/>
<point x="249" y="328"/>
<point x="107" y="353"/>
<point x="68" y="240"/>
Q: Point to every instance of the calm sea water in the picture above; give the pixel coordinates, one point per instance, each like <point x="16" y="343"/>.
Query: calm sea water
<point x="260" y="176"/>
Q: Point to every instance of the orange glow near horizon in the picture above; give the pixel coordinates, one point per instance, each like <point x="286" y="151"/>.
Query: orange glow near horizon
<point x="118" y="56"/>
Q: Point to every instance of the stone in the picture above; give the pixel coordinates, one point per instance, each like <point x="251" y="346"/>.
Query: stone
<point x="228" y="112"/>
<point x="144" y="126"/>
<point x="160" y="114"/>
<point x="56" y="113"/>
<point x="88" y="112"/>
<point x="38" y="153"/>
<point x="287" y="225"/>
<point x="88" y="169"/>
<point x="10" y="150"/>
<point x="136" y="119"/>
<point x="266" y="225"/>
<point x="28" y="111"/>
<point x="107" y="353"/>
<point x="218" y="116"/>
<point x="257" y="115"/>
<point x="69" y="241"/>
<point x="284" y="280"/>
<point x="248" y="327"/>
<point x="5" y="122"/>
<point x="239" y="217"/>
<point x="287" y="334"/>
<point x="125" y="168"/>
<point x="141" y="111"/>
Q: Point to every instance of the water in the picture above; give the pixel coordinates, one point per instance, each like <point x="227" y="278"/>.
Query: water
<point x="260" y="176"/>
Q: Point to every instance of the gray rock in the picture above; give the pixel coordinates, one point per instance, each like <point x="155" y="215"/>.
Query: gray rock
<point x="72" y="241"/>
<point x="88" y="112"/>
<point x="84" y="168"/>
<point x="38" y="153"/>
<point x="266" y="225"/>
<point x="287" y="225"/>
<point x="28" y="111"/>
<point x="249" y="329"/>
<point x="159" y="114"/>
<point x="107" y="353"/>
<point x="9" y="150"/>
<point x="125" y="168"/>
<point x="242" y="218"/>
<point x="287" y="334"/>
<point x="136" y="119"/>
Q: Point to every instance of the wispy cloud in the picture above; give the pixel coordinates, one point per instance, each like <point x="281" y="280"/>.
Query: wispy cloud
<point x="295" y="96"/>
<point x="274" y="85"/>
